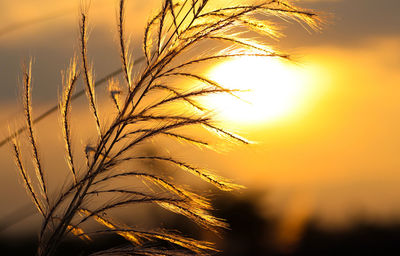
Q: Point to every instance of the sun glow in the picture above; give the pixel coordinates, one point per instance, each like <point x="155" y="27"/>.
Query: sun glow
<point x="272" y="90"/>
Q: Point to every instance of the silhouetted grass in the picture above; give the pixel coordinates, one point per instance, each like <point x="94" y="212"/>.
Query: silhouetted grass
<point x="178" y="27"/>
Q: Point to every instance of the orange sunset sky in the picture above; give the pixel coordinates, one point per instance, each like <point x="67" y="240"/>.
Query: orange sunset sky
<point x="330" y="151"/>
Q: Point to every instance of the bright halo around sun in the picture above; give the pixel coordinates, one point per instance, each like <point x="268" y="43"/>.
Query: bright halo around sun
<point x="273" y="90"/>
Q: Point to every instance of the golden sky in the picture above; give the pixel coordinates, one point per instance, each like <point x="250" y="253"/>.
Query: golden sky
<point x="337" y="156"/>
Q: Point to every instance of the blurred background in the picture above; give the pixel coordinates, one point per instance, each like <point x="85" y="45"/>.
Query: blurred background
<point x="322" y="177"/>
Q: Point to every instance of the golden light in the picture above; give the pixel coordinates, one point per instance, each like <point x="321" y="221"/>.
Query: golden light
<point x="274" y="90"/>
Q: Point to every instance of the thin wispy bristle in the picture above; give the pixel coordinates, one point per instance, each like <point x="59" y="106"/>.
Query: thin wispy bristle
<point x="25" y="176"/>
<point x="78" y="232"/>
<point x="27" y="79"/>
<point x="128" y="235"/>
<point x="87" y="70"/>
<point x="127" y="64"/>
<point x="69" y="81"/>
<point x="115" y="93"/>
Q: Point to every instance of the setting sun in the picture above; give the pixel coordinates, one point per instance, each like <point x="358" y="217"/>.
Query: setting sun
<point x="272" y="89"/>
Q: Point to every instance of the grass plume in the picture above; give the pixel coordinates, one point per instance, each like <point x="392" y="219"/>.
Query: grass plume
<point x="177" y="29"/>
